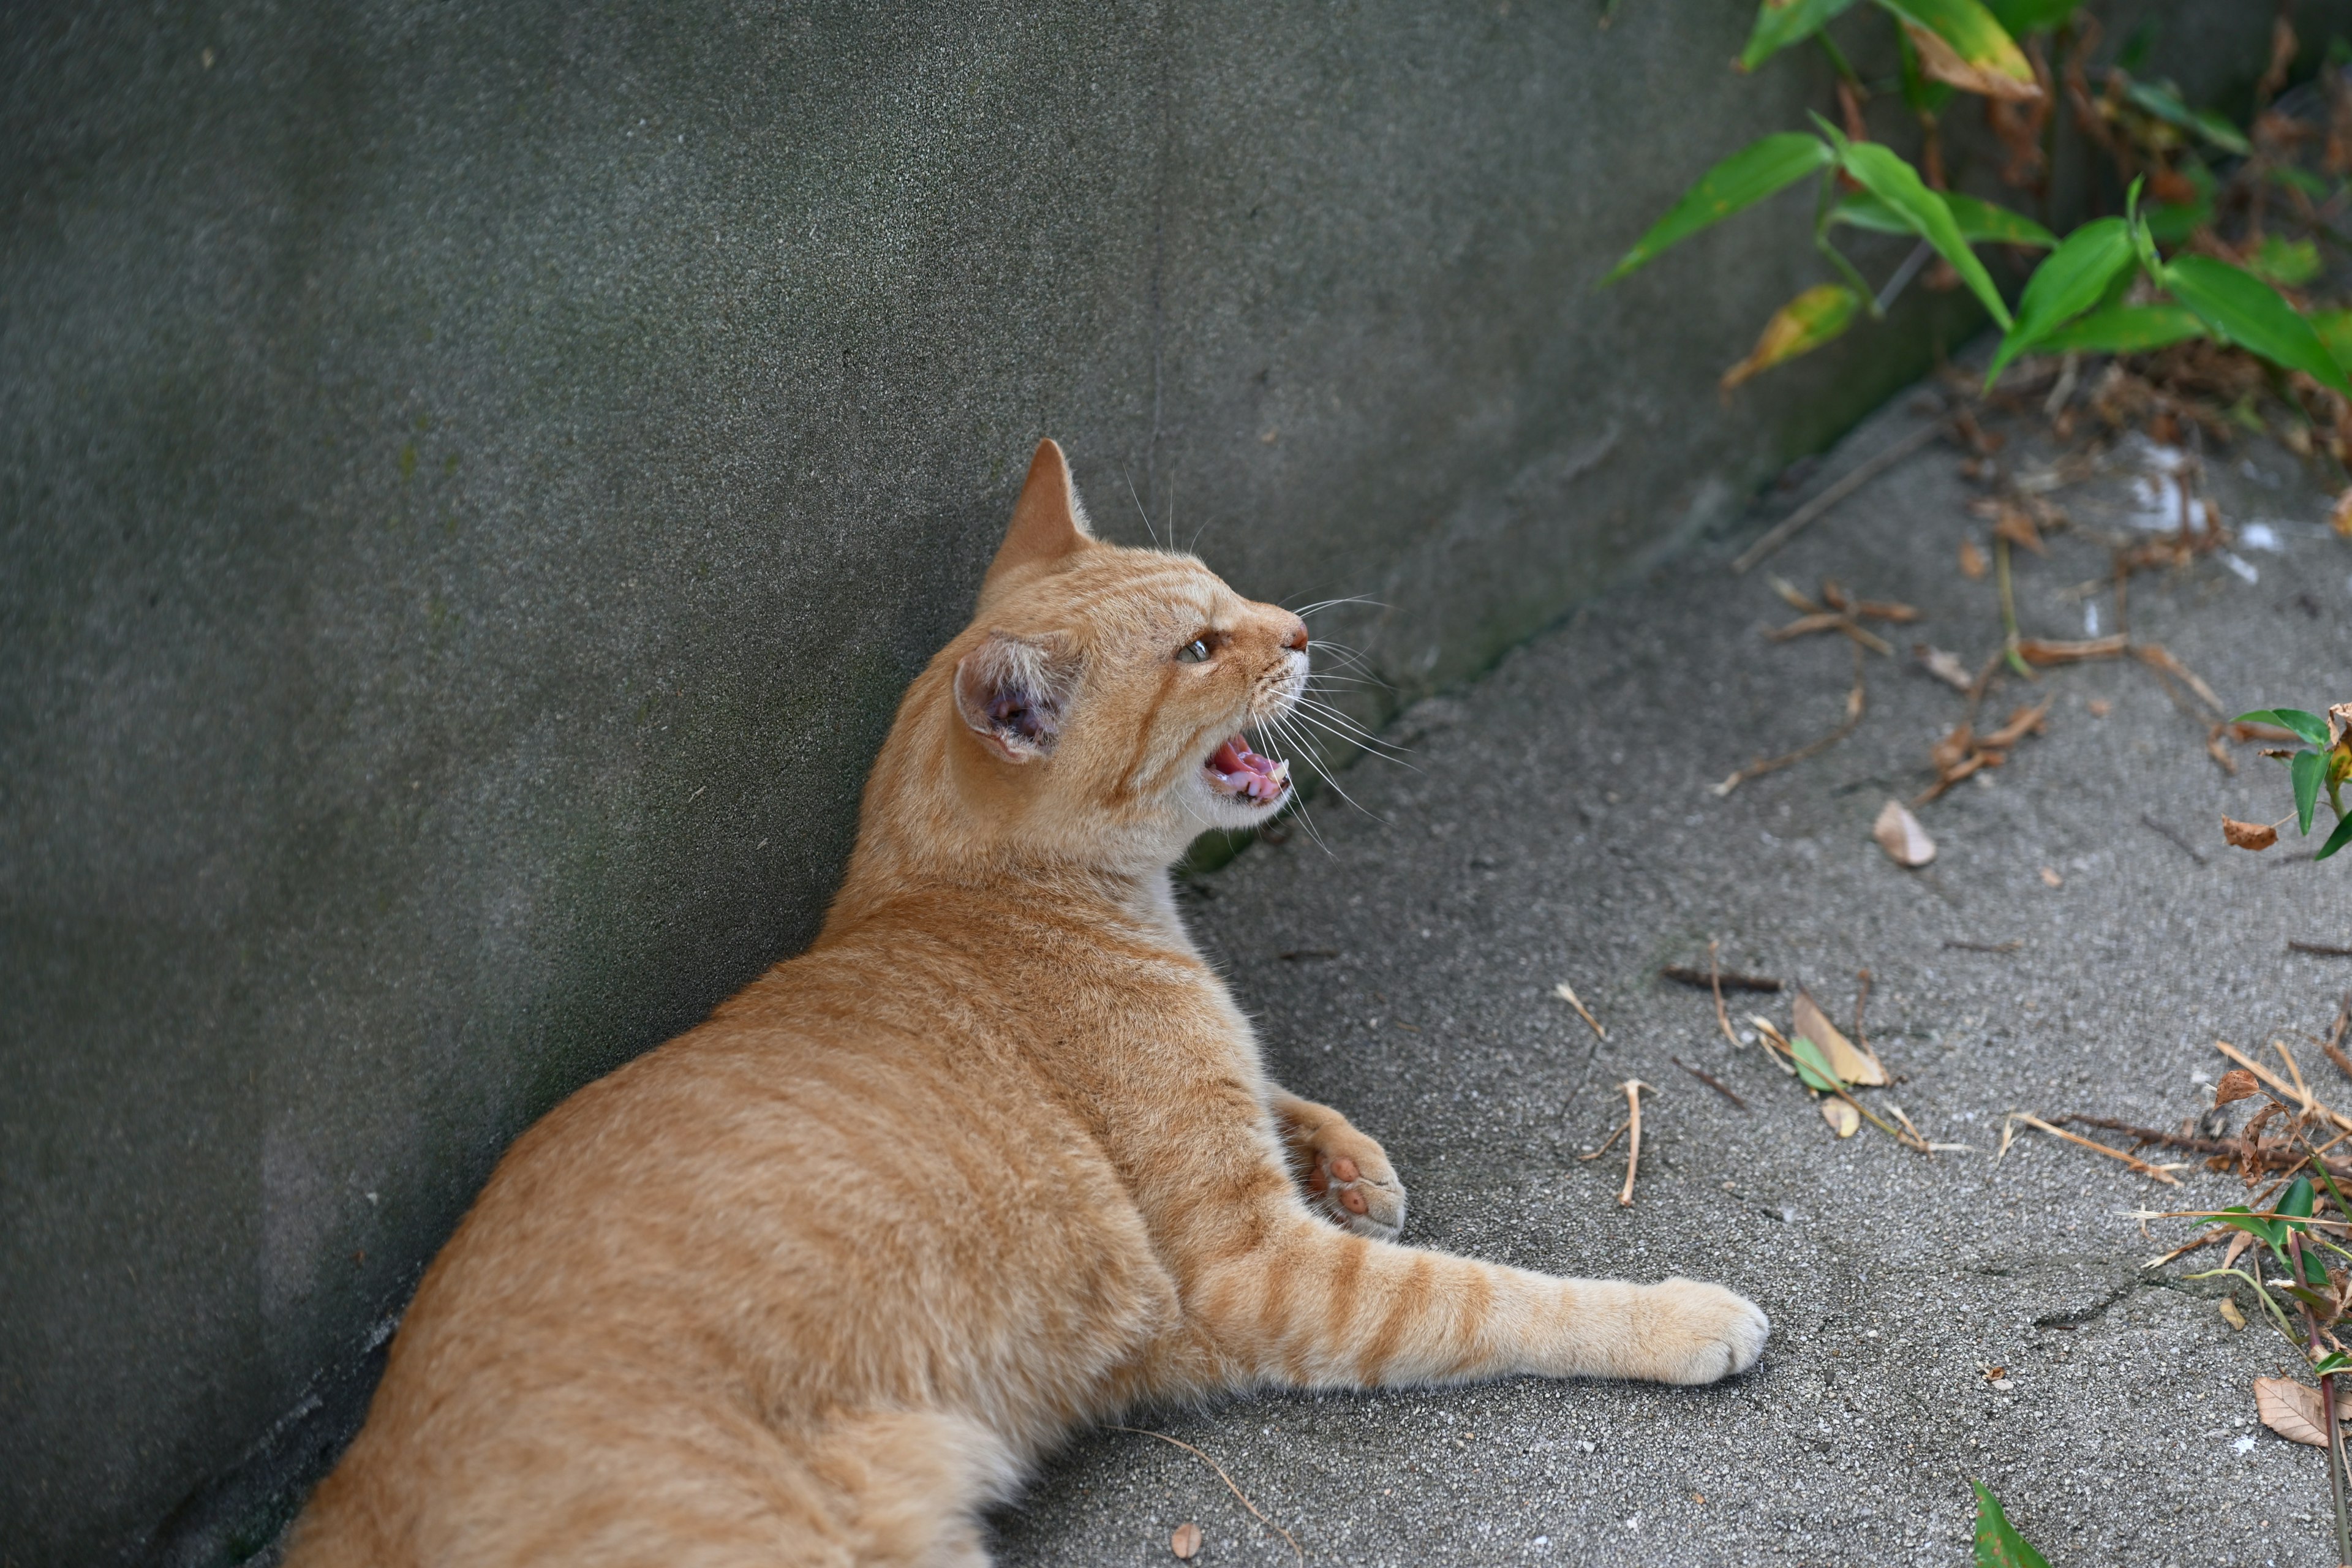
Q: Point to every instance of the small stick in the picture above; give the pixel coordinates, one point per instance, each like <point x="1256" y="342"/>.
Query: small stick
<point x="1711" y="1081"/>
<point x="1723" y="1019"/>
<point x="1569" y="996"/>
<point x="2318" y="949"/>
<point x="2273" y="1080"/>
<point x="2293" y="1072"/>
<point x="1855" y="701"/>
<point x="1860" y="474"/>
<point x="2011" y="945"/>
<point x="1710" y="978"/>
<point x="2141" y="1166"/>
<point x="1632" y="1088"/>
<point x="1619" y="1131"/>
<point x="2008" y="608"/>
<point x="1230" y="1487"/>
<point x="2233" y="1147"/>
<point x="2186" y="1247"/>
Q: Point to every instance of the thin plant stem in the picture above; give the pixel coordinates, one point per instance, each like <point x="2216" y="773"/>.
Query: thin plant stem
<point x="2007" y="609"/>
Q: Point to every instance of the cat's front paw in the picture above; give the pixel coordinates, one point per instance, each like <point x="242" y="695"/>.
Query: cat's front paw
<point x="1697" y="1332"/>
<point x="1350" y="1182"/>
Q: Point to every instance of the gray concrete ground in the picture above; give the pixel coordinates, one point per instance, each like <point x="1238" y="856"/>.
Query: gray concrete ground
<point x="1556" y="825"/>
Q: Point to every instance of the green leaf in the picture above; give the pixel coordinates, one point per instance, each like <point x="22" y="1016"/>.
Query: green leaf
<point x="2332" y="1361"/>
<point x="2334" y="330"/>
<point x="1779" y="22"/>
<point x="2124" y="329"/>
<point x="2261" y="1227"/>
<point x="1746" y="177"/>
<point x="2310" y="726"/>
<point x="2338" y="840"/>
<point x="1971" y="32"/>
<point x="2068" y="282"/>
<point x="2243" y="308"/>
<point x="1897" y="183"/>
<point x="2314" y="1272"/>
<point x="1982" y="223"/>
<point x="2165" y="105"/>
<point x="2307" y="769"/>
<point x="2288" y="263"/>
<point x="2296" y="1203"/>
<point x="1799" y="327"/>
<point x="1814" y="1067"/>
<point x="1998" y="1543"/>
<point x="2023" y="16"/>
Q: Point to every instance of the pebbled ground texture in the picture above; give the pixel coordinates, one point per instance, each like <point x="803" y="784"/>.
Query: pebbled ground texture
<point x="1556" y="824"/>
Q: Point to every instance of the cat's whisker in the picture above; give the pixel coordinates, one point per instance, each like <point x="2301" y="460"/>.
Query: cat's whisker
<point x="1342" y="724"/>
<point x="1347" y="740"/>
<point x="1321" y="604"/>
<point x="1311" y="755"/>
<point x="1138" y="506"/>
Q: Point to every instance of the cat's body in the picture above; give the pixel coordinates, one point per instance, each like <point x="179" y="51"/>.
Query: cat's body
<point x="995" y="1158"/>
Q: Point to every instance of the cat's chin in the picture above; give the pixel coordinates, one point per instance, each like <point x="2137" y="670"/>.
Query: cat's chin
<point x="1246" y="781"/>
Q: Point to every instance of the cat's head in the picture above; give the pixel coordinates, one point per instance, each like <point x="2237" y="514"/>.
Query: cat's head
<point x="1097" y="707"/>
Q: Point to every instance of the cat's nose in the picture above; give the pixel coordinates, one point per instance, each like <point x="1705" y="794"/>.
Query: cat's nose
<point x="1296" y="640"/>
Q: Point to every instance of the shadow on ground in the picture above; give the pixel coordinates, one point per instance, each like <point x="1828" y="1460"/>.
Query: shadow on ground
<point x="1556" y="824"/>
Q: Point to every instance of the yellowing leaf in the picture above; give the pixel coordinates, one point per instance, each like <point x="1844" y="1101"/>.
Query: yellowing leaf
<point x="2291" y="1409"/>
<point x="1962" y="43"/>
<point x="1899" y="834"/>
<point x="1940" y="61"/>
<point x="1850" y="1064"/>
<point x="1841" y="1115"/>
<point x="1801" y="326"/>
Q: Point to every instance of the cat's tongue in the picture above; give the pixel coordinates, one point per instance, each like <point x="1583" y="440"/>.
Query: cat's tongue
<point x="1237" y="770"/>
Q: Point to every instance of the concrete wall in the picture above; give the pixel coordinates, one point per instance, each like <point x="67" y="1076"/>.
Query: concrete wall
<point x="476" y="477"/>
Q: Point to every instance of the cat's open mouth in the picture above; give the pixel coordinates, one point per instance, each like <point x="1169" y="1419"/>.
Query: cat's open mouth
<point x="1236" y="770"/>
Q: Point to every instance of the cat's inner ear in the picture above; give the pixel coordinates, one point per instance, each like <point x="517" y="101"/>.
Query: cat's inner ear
<point x="1048" y="521"/>
<point x="1013" y="692"/>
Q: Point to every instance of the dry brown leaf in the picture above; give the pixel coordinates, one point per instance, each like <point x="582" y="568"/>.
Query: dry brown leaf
<point x="2237" y="1084"/>
<point x="1945" y="667"/>
<point x="2254" y="836"/>
<point x="1840" y="1116"/>
<point x="1186" y="1542"/>
<point x="2238" y="1245"/>
<point x="1899" y="834"/>
<point x="2339" y="720"/>
<point x="2051" y="876"/>
<point x="1972" y="559"/>
<point x="2016" y="525"/>
<point x="1953" y="750"/>
<point x="2231" y="1315"/>
<point x="2291" y="1409"/>
<point x="1850" y="1064"/>
<point x="1819" y="621"/>
<point x="2053" y="650"/>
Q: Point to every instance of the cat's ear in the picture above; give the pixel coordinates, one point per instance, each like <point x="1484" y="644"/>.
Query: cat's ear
<point x="1048" y="521"/>
<point x="1013" y="691"/>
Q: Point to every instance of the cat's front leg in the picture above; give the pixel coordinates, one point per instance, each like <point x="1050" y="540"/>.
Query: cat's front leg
<point x="1343" y="1170"/>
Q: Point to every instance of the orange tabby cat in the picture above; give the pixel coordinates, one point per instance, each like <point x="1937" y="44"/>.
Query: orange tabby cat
<point x="994" y="1159"/>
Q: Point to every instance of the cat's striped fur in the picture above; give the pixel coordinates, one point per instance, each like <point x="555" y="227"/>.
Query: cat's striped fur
<point x="995" y="1158"/>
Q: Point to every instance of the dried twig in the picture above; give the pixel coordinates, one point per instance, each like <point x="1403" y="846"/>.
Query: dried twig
<point x="1230" y="1487"/>
<point x="1711" y="1081"/>
<point x="1569" y="996"/>
<point x="2285" y="1089"/>
<point x="1632" y="1088"/>
<point x="2235" y="1148"/>
<point x="1854" y="704"/>
<point x="1614" y="1133"/>
<point x="1860" y="474"/>
<point x="2318" y="949"/>
<point x="1712" y="979"/>
<point x="2011" y="945"/>
<point x="2140" y="1167"/>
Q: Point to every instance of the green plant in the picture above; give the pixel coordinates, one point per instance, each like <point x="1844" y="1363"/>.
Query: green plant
<point x="1998" y="1543"/>
<point x="2320" y="767"/>
<point x="2114" y="284"/>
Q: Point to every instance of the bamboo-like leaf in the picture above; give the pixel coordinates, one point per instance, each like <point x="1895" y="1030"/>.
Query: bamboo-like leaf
<point x="1899" y="187"/>
<point x="1998" y="1543"/>
<point x="2307" y="771"/>
<point x="1812" y="1067"/>
<point x="2334" y="330"/>
<point x="2125" y="329"/>
<point x="2310" y="726"/>
<point x="1746" y="177"/>
<point x="2167" y="106"/>
<point x="1779" y="22"/>
<point x="1799" y="327"/>
<point x="2069" y="281"/>
<point x="2023" y="16"/>
<point x="2338" y="840"/>
<point x="1962" y="43"/>
<point x="1981" y="223"/>
<point x="2243" y="308"/>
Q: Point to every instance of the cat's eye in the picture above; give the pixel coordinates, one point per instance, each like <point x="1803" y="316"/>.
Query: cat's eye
<point x="1193" y="652"/>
